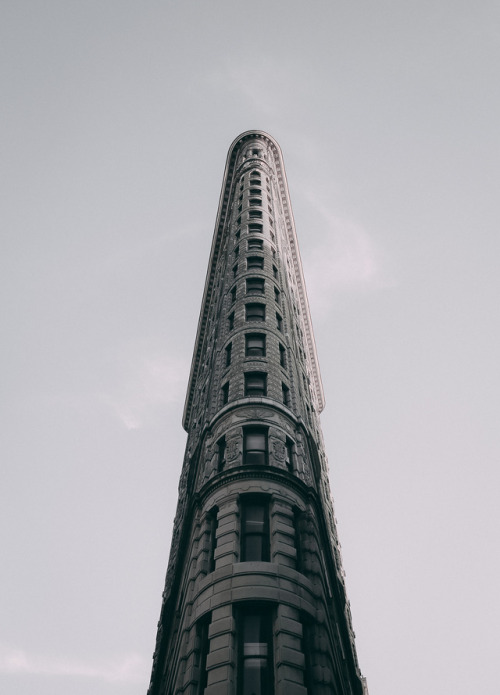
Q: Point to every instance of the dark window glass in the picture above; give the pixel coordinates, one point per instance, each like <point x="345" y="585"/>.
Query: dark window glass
<point x="255" y="227"/>
<point x="233" y="295"/>
<point x="256" y="657"/>
<point x="255" y="262"/>
<point x="230" y="321"/>
<point x="254" y="530"/>
<point x="282" y="356"/>
<point x="255" y="345"/>
<point x="255" y="446"/>
<point x="238" y="233"/>
<point x="236" y="251"/>
<point x="255" y="312"/>
<point x="279" y="322"/>
<point x="275" y="272"/>
<point x="255" y="201"/>
<point x="212" y="530"/>
<point x="255" y="173"/>
<point x="235" y="270"/>
<point x="256" y="244"/>
<point x="255" y="384"/>
<point x="225" y="393"/>
<point x="286" y="394"/>
<point x="254" y="191"/>
<point x="229" y="349"/>
<point x="255" y="286"/>
<point x="276" y="294"/>
<point x="221" y="454"/>
<point x="255" y="214"/>
<point x="204" y="645"/>
<point x="289" y="454"/>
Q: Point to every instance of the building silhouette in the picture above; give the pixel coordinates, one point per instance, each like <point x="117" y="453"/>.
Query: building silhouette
<point x="254" y="600"/>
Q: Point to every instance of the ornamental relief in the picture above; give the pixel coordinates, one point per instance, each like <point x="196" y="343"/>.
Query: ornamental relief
<point x="233" y="449"/>
<point x="278" y="449"/>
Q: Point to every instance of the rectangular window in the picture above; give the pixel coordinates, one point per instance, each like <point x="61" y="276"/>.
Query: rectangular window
<point x="255" y="244"/>
<point x="255" y="286"/>
<point x="255" y="345"/>
<point x="255" y="228"/>
<point x="286" y="394"/>
<point x="254" y="191"/>
<point x="254" y="529"/>
<point x="233" y="295"/>
<point x="276" y="294"/>
<point x="255" y="214"/>
<point x="255" y="262"/>
<point x="255" y="384"/>
<point x="255" y="652"/>
<point x="236" y="251"/>
<point x="289" y="454"/>
<point x="279" y="322"/>
<point x="255" y="201"/>
<point x="275" y="272"/>
<point x="230" y="321"/>
<point x="255" y="446"/>
<point x="255" y="182"/>
<point x="235" y="270"/>
<point x="282" y="356"/>
<point x="255" y="312"/>
<point x="237" y="235"/>
<point x="225" y="393"/>
<point x="221" y="454"/>
<point x="212" y="530"/>
<point x="203" y="646"/>
<point x="228" y="354"/>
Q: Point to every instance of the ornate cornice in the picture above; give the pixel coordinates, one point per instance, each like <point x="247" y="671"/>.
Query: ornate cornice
<point x="220" y="227"/>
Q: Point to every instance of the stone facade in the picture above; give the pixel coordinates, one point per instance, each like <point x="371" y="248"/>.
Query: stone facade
<point x="254" y="600"/>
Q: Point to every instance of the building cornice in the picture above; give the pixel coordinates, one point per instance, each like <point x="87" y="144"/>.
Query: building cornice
<point x="221" y="225"/>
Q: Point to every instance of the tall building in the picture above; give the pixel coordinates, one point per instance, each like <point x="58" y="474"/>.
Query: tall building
<point x="255" y="600"/>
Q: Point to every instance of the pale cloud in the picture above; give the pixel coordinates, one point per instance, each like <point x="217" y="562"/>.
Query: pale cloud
<point x="129" y="668"/>
<point x="346" y="259"/>
<point x="146" y="382"/>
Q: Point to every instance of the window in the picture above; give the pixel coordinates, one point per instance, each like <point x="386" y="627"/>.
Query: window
<point x="279" y="322"/>
<point x="204" y="645"/>
<point x="238" y="221"/>
<point x="212" y="530"/>
<point x="255" y="214"/>
<point x="289" y="456"/>
<point x="256" y="153"/>
<point x="255" y="312"/>
<point x="255" y="652"/>
<point x="255" y="446"/>
<point x="255" y="244"/>
<point x="255" y="262"/>
<point x="255" y="182"/>
<point x="286" y="394"/>
<point x="228" y="354"/>
<point x="255" y="173"/>
<point x="221" y="454"/>
<point x="255" y="227"/>
<point x="236" y="251"/>
<point x="235" y="270"/>
<point x="255" y="345"/>
<point x="273" y="238"/>
<point x="275" y="272"/>
<point x="225" y="393"/>
<point x="240" y="208"/>
<point x="276" y="294"/>
<point x="255" y="384"/>
<point x="255" y="201"/>
<point x="254" y="529"/>
<point x="282" y="356"/>
<point x="230" y="321"/>
<point x="233" y="295"/>
<point x="255" y="286"/>
<point x="254" y="191"/>
<point x="238" y="234"/>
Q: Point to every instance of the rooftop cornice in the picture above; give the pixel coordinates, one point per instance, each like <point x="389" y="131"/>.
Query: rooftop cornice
<point x="220" y="226"/>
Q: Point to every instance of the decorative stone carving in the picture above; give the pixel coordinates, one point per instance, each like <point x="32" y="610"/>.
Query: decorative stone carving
<point x="232" y="449"/>
<point x="279" y="450"/>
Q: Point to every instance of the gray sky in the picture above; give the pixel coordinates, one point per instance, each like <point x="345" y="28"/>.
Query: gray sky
<point x="116" y="120"/>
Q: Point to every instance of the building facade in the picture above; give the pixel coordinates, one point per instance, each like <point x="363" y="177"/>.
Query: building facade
<point x="254" y="600"/>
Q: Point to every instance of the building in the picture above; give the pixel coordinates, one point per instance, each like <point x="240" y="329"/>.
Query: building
<point x="255" y="601"/>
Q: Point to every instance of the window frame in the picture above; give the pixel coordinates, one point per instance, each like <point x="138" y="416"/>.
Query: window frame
<point x="255" y="391"/>
<point x="257" y="350"/>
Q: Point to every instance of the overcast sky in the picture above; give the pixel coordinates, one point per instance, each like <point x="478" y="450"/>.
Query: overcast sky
<point x="116" y="120"/>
